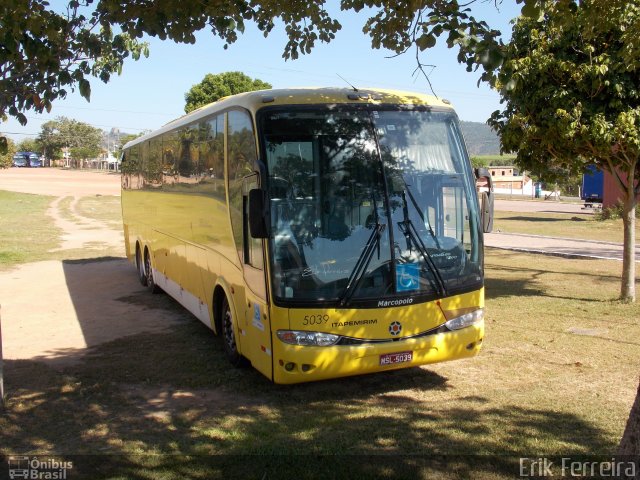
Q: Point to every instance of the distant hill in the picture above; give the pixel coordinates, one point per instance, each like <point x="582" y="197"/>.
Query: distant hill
<point x="480" y="139"/>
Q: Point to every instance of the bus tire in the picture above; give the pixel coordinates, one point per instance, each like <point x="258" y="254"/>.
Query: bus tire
<point x="229" y="336"/>
<point x="142" y="276"/>
<point x="148" y="270"/>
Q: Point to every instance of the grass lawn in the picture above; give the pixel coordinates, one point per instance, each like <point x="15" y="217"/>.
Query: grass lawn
<point x="557" y="376"/>
<point x="106" y="209"/>
<point x="28" y="234"/>
<point x="567" y="225"/>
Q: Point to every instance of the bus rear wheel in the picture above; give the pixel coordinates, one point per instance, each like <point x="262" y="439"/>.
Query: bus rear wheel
<point x="229" y="337"/>
<point x="142" y="276"/>
<point x="148" y="271"/>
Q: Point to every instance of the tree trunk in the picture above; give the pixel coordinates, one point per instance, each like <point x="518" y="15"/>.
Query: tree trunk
<point x="628" y="286"/>
<point x="630" y="443"/>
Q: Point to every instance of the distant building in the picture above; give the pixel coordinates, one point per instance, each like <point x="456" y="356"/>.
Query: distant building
<point x="508" y="180"/>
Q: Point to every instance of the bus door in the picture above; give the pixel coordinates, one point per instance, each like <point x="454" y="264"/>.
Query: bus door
<point x="256" y="344"/>
<point x="454" y="221"/>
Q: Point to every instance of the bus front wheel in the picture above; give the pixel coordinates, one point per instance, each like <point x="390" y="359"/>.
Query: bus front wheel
<point x="229" y="337"/>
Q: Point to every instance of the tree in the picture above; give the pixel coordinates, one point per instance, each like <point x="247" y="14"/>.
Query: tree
<point x="479" y="162"/>
<point x="82" y="140"/>
<point x="45" y="52"/>
<point x="213" y="87"/>
<point x="572" y="99"/>
<point x="29" y="145"/>
<point x="6" y="158"/>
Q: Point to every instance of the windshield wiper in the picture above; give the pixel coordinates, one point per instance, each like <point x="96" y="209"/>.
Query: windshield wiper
<point x="410" y="232"/>
<point x="415" y="205"/>
<point x="362" y="264"/>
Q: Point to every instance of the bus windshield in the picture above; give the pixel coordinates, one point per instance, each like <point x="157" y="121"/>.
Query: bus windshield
<point x="369" y="206"/>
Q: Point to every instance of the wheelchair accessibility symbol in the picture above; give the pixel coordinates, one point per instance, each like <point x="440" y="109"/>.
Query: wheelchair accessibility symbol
<point x="407" y="277"/>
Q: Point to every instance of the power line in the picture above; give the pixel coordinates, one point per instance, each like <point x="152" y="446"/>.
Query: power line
<point x="114" y="111"/>
<point x="91" y="124"/>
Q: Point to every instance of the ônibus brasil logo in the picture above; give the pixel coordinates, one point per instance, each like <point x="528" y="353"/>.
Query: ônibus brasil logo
<point x="38" y="469"/>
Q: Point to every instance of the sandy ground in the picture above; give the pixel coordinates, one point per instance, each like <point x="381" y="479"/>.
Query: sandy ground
<point x="82" y="232"/>
<point x="53" y="311"/>
<point x="547" y="206"/>
<point x="60" y="183"/>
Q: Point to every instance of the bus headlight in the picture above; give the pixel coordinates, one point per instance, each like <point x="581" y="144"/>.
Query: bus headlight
<point x="314" y="339"/>
<point x="466" y="320"/>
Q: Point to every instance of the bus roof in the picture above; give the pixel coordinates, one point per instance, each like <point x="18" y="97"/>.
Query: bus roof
<point x="252" y="101"/>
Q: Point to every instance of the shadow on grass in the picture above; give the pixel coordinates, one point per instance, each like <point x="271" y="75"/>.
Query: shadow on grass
<point x="167" y="405"/>
<point x="521" y="280"/>
<point x="543" y="219"/>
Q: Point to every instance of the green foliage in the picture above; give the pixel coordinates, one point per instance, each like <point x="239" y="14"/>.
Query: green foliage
<point x="82" y="140"/>
<point x="479" y="162"/>
<point x="7" y="153"/>
<point x="213" y="87"/>
<point x="614" y="212"/>
<point x="29" y="145"/>
<point x="571" y="96"/>
<point x="496" y="160"/>
<point x="44" y="53"/>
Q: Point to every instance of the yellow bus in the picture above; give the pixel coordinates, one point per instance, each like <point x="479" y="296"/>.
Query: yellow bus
<point x="320" y="232"/>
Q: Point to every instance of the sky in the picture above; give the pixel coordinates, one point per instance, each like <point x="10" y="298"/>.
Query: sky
<point x="150" y="92"/>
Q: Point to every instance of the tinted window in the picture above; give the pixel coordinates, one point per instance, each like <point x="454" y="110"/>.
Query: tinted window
<point x="241" y="155"/>
<point x="212" y="155"/>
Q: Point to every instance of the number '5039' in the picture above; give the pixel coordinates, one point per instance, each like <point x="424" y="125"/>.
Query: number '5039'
<point x="315" y="319"/>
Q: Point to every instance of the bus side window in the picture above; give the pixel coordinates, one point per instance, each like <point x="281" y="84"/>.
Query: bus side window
<point x="212" y="156"/>
<point x="168" y="160"/>
<point x="241" y="155"/>
<point x="135" y="168"/>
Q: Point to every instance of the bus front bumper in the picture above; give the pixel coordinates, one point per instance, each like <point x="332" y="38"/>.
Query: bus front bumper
<point x="295" y="364"/>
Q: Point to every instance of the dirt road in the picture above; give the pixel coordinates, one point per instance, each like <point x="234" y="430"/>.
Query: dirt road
<point x="52" y="311"/>
<point x="60" y="183"/>
<point x="542" y="206"/>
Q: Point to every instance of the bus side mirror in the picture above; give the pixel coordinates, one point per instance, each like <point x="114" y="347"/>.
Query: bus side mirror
<point x="482" y="172"/>
<point x="258" y="213"/>
<point x="486" y="211"/>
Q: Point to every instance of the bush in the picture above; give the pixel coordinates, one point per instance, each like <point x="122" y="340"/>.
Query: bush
<point x="613" y="213"/>
<point x="7" y="153"/>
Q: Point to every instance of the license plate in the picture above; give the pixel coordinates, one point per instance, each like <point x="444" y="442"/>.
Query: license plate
<point x="392" y="358"/>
